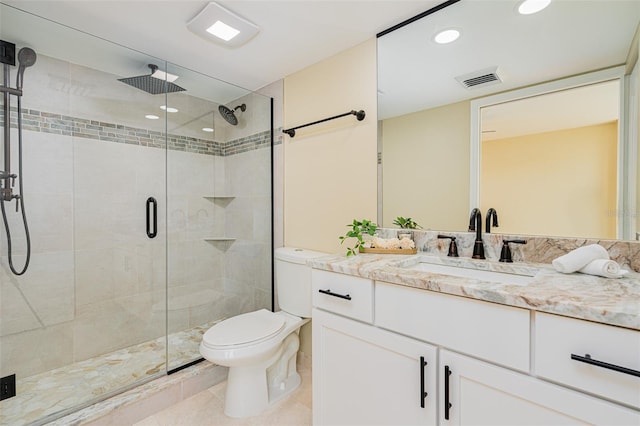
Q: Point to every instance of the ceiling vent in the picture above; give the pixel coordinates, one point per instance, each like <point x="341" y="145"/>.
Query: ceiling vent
<point x="482" y="78"/>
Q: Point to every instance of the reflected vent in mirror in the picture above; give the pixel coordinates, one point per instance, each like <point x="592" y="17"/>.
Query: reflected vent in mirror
<point x="482" y="78"/>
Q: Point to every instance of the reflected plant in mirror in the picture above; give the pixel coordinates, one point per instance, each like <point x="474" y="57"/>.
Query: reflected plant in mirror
<point x="430" y="102"/>
<point x="406" y="223"/>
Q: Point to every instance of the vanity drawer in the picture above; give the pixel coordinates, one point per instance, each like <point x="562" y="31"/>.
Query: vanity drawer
<point x="343" y="294"/>
<point x="557" y="338"/>
<point x="493" y="332"/>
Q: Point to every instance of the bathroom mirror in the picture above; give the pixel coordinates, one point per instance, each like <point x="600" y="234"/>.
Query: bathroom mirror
<point x="426" y="169"/>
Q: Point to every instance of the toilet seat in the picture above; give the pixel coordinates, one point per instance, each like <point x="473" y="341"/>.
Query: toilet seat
<point x="245" y="329"/>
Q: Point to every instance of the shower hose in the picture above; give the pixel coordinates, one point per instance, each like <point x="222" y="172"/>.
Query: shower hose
<point x="20" y="201"/>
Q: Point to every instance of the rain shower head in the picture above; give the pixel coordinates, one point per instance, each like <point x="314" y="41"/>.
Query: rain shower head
<point x="26" y="58"/>
<point x="230" y="114"/>
<point x="150" y="84"/>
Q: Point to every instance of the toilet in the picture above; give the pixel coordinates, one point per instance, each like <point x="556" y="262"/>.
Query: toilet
<point x="260" y="347"/>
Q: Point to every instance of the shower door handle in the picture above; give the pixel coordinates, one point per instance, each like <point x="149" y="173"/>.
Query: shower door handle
<point x="152" y="217"/>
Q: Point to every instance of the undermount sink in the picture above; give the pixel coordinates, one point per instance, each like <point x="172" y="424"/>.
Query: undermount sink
<point x="519" y="276"/>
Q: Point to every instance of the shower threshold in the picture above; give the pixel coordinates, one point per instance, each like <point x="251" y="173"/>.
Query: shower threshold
<point x="60" y="391"/>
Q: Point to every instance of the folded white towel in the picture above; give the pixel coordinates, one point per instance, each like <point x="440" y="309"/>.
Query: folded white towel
<point x="604" y="268"/>
<point x="579" y="258"/>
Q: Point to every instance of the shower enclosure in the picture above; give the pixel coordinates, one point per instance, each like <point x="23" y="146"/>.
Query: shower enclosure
<point x="149" y="218"/>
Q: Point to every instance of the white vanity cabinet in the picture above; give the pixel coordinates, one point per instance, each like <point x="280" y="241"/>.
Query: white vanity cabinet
<point x="366" y="376"/>
<point x="474" y="392"/>
<point x="482" y="355"/>
<point x="363" y="375"/>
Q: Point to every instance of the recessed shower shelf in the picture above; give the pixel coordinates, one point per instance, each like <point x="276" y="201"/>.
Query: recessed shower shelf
<point x="220" y="197"/>
<point x="219" y="239"/>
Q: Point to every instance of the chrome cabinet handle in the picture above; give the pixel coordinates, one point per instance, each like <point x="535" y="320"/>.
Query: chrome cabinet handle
<point x="330" y="293"/>
<point x="588" y="360"/>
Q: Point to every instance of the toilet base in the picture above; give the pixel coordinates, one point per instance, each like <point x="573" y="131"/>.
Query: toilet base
<point x="276" y="393"/>
<point x="252" y="389"/>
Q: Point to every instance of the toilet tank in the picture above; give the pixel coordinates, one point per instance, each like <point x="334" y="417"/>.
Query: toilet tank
<point x="293" y="279"/>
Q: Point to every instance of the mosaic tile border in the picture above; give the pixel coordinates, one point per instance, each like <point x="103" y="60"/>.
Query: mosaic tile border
<point x="40" y="121"/>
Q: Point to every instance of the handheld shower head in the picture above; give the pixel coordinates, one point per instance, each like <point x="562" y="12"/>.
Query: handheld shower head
<point x="26" y="58"/>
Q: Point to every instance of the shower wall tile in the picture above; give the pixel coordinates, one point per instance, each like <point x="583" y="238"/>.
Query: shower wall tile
<point x="53" y="150"/>
<point x="219" y="180"/>
<point x="201" y="217"/>
<point x="94" y="277"/>
<point x="262" y="219"/>
<point x="47" y="196"/>
<point x="48" y="85"/>
<point x="238" y="298"/>
<point x="48" y="286"/>
<point x="50" y="219"/>
<point x="278" y="196"/>
<point x="32" y="352"/>
<point x="100" y="327"/>
<point x="239" y="220"/>
<point x="17" y="315"/>
<point x="249" y="174"/>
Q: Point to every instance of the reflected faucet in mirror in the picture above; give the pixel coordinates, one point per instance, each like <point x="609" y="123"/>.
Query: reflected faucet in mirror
<point x="475" y="224"/>
<point x="491" y="213"/>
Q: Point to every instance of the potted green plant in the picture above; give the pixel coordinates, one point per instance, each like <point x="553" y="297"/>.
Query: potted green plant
<point x="358" y="229"/>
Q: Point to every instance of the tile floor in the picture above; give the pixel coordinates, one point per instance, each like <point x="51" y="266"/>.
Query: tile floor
<point x="207" y="409"/>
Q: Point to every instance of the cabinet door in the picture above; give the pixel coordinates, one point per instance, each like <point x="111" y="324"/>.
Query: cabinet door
<point x="366" y="376"/>
<point x="484" y="394"/>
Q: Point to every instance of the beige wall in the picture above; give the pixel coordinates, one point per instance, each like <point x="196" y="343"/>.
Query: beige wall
<point x="436" y="143"/>
<point x="330" y="169"/>
<point x="637" y="210"/>
<point x="557" y="183"/>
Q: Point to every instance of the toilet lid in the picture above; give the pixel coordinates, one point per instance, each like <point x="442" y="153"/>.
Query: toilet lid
<point x="245" y="328"/>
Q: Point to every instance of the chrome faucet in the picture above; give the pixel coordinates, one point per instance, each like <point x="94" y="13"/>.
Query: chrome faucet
<point x="475" y="224"/>
<point x="491" y="213"/>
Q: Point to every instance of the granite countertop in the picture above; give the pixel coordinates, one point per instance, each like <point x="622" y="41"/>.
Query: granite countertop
<point x="609" y="301"/>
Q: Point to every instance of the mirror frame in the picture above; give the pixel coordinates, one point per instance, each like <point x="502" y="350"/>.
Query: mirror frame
<point x="626" y="188"/>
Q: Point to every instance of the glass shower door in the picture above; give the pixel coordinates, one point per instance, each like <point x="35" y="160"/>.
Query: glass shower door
<point x="218" y="208"/>
<point x="88" y="317"/>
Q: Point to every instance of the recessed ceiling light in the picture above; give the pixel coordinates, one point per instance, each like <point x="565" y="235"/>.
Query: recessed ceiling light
<point x="207" y="129"/>
<point x="447" y="36"/>
<point x="168" y="109"/>
<point x="151" y="117"/>
<point x="161" y="75"/>
<point x="223" y="31"/>
<point x="218" y="24"/>
<point x="529" y="7"/>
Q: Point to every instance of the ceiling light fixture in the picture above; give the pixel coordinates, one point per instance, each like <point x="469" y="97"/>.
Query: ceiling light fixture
<point x="168" y="109"/>
<point x="529" y="7"/>
<point x="161" y="75"/>
<point x="218" y="24"/>
<point x="223" y="31"/>
<point x="207" y="129"/>
<point x="447" y="36"/>
<point x="151" y="117"/>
